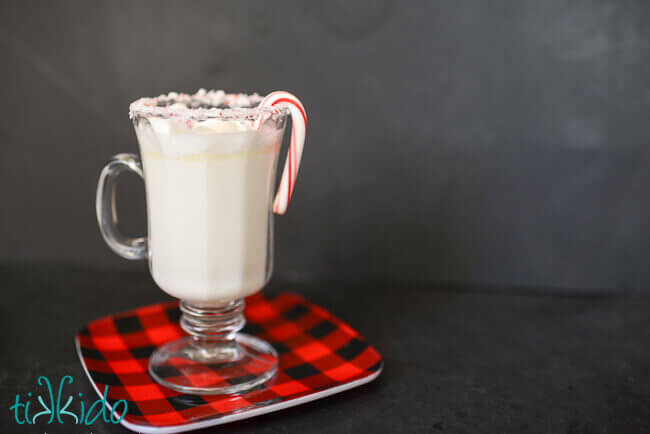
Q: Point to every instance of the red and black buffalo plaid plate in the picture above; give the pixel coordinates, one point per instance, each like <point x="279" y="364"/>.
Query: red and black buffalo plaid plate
<point x="319" y="356"/>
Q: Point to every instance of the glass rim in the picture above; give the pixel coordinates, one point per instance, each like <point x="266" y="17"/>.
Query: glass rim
<point x="202" y="105"/>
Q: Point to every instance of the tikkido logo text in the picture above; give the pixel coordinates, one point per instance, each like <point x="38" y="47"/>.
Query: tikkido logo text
<point x="44" y="408"/>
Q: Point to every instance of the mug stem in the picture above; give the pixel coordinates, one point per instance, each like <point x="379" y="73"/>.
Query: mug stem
<point x="215" y="358"/>
<point x="220" y="323"/>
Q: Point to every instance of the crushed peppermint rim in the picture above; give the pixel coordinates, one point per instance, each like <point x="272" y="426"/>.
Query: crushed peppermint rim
<point x="202" y="105"/>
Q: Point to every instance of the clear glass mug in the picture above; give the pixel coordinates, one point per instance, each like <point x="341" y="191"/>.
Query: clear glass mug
<point x="208" y="162"/>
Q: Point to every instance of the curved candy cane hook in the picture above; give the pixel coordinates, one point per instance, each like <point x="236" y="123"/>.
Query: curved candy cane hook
<point x="281" y="99"/>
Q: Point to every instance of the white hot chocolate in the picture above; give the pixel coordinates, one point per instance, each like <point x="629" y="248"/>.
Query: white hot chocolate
<point x="209" y="193"/>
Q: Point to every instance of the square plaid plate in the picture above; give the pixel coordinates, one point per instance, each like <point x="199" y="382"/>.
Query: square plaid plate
<point x="319" y="356"/>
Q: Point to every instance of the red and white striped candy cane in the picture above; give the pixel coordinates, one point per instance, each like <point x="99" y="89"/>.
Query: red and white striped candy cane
<point x="281" y="99"/>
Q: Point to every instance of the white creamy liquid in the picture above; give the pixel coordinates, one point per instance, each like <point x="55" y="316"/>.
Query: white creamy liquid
<point x="209" y="198"/>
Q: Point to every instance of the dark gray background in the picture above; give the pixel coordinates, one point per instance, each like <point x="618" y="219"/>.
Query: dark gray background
<point x="500" y="143"/>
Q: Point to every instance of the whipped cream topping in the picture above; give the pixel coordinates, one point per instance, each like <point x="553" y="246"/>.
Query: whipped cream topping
<point x="201" y="105"/>
<point x="165" y="127"/>
<point x="173" y="138"/>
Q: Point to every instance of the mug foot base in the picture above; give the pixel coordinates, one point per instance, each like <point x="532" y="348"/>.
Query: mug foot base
<point x="202" y="367"/>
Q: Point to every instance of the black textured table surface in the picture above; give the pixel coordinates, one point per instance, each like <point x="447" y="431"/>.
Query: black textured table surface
<point x="455" y="360"/>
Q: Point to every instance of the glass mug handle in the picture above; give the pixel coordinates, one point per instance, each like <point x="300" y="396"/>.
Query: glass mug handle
<point x="129" y="248"/>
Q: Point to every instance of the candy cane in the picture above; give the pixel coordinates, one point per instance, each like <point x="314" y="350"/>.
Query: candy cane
<point x="299" y="128"/>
